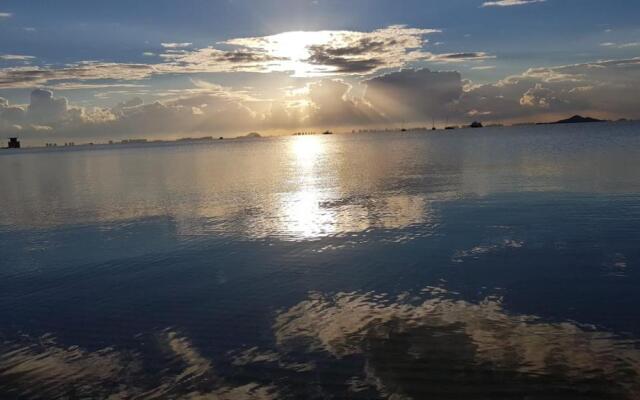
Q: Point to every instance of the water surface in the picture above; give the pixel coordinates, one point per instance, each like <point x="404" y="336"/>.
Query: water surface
<point x="477" y="264"/>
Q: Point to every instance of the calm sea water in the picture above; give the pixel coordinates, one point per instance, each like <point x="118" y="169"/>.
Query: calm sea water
<point x="484" y="264"/>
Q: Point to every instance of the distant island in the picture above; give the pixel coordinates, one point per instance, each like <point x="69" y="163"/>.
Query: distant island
<point x="576" y="119"/>
<point x="252" y="135"/>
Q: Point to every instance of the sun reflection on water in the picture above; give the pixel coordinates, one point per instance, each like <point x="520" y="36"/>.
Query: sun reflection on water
<point x="301" y="208"/>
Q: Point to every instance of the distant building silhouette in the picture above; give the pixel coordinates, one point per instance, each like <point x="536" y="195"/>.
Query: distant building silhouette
<point x="14" y="143"/>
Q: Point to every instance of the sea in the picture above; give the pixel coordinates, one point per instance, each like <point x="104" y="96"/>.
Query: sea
<point x="495" y="263"/>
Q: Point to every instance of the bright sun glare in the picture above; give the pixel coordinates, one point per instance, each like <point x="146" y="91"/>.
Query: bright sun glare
<point x="294" y="46"/>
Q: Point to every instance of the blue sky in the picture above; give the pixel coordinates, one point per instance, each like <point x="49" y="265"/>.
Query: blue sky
<point x="501" y="41"/>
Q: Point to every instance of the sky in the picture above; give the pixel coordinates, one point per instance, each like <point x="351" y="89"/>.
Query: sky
<point x="96" y="70"/>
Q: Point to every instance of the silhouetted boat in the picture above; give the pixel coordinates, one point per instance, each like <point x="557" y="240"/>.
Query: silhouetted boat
<point x="327" y="133"/>
<point x="476" y="124"/>
<point x="14" y="143"/>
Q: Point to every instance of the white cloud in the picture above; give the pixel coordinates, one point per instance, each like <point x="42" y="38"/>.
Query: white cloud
<point x="15" y="57"/>
<point x="621" y="45"/>
<point x="509" y="3"/>
<point x="483" y="67"/>
<point x="5" y="15"/>
<point x="298" y="54"/>
<point x="176" y="45"/>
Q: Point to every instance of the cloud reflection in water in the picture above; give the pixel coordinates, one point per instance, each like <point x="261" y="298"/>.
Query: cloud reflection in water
<point x="358" y="345"/>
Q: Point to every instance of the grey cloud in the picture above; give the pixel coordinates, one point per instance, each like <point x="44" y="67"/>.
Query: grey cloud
<point x="246" y="56"/>
<point x="345" y="65"/>
<point x="359" y="47"/>
<point x="414" y="95"/>
<point x="607" y="88"/>
<point x="333" y="107"/>
<point x="45" y="108"/>
<point x="454" y="57"/>
<point x="85" y="71"/>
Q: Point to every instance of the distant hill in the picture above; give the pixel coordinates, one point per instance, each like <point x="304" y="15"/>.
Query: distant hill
<point x="252" y="135"/>
<point x="577" y="119"/>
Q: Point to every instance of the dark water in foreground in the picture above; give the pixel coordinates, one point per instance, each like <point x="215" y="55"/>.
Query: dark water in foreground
<point x="493" y="264"/>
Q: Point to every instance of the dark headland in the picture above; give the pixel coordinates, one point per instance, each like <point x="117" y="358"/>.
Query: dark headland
<point x="576" y="119"/>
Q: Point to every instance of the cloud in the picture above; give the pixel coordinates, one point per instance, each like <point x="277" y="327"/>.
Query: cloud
<point x="621" y="45"/>
<point x="15" y="57"/>
<point x="483" y="67"/>
<point x="43" y="368"/>
<point x="362" y="53"/>
<point x="5" y="15"/>
<point x="509" y="3"/>
<point x="298" y="54"/>
<point x="340" y="52"/>
<point x="419" y="334"/>
<point x="414" y="95"/>
<point x="46" y="108"/>
<point x="461" y="57"/>
<point x="176" y="45"/>
<point x="605" y="89"/>
<point x="28" y="77"/>
<point x="332" y="106"/>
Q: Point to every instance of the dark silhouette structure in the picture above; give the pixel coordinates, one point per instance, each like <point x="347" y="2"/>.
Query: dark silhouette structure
<point x="476" y="124"/>
<point x="14" y="143"/>
<point x="578" y="119"/>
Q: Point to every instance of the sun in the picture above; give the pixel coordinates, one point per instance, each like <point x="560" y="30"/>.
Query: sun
<point x="295" y="49"/>
<point x="295" y="45"/>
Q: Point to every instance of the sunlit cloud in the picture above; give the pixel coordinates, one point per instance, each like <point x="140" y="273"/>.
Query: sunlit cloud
<point x="298" y="54"/>
<point x="336" y="52"/>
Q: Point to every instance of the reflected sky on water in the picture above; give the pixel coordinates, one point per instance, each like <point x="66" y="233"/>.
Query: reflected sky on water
<point x="466" y="265"/>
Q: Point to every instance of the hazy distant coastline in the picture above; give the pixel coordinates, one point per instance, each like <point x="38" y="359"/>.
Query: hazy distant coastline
<point x="576" y="119"/>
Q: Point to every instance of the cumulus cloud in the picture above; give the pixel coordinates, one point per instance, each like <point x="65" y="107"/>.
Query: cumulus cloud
<point x="46" y="108"/>
<point x="509" y="3"/>
<point x="605" y="89"/>
<point x="366" y="52"/>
